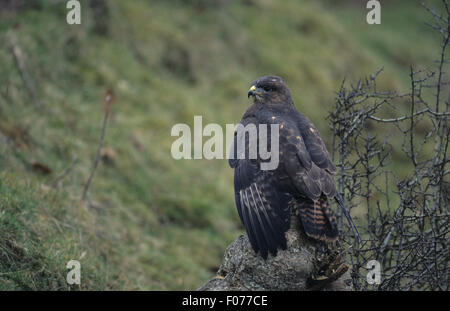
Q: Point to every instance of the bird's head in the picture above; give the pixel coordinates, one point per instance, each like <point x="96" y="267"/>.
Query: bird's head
<point x="270" y="90"/>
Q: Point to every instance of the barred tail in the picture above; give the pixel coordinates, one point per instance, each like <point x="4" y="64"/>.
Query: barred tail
<point x="318" y="219"/>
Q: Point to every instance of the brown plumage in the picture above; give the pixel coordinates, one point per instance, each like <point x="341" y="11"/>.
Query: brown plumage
<point x="303" y="177"/>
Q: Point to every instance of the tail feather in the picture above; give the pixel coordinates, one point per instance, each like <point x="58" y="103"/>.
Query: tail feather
<point x="318" y="219"/>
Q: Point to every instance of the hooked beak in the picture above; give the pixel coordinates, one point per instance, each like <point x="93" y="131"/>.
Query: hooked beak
<point x="254" y="91"/>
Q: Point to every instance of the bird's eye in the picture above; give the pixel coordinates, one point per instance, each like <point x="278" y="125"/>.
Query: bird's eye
<point x="267" y="88"/>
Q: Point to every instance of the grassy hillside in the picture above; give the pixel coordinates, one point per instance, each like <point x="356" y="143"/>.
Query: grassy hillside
<point x="152" y="222"/>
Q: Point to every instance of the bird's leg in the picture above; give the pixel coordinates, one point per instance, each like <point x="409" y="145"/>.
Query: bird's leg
<point x="329" y="266"/>
<point x="320" y="283"/>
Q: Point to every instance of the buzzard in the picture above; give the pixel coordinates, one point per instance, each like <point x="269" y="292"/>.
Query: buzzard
<point x="304" y="177"/>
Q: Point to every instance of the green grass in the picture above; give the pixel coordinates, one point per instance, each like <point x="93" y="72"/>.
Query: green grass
<point x="154" y="222"/>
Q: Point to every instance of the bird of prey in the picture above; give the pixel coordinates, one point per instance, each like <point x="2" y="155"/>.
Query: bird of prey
<point x="303" y="178"/>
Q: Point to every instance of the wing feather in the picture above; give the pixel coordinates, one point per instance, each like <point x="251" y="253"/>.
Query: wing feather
<point x="306" y="159"/>
<point x="263" y="209"/>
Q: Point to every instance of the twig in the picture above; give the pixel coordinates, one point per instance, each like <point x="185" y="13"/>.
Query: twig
<point x="108" y="102"/>
<point x="402" y="118"/>
<point x="19" y="59"/>
<point x="63" y="174"/>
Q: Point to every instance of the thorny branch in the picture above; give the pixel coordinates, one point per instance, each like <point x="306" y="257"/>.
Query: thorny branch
<point x="406" y="223"/>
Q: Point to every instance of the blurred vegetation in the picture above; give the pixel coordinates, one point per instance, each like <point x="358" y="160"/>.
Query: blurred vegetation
<point x="153" y="222"/>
